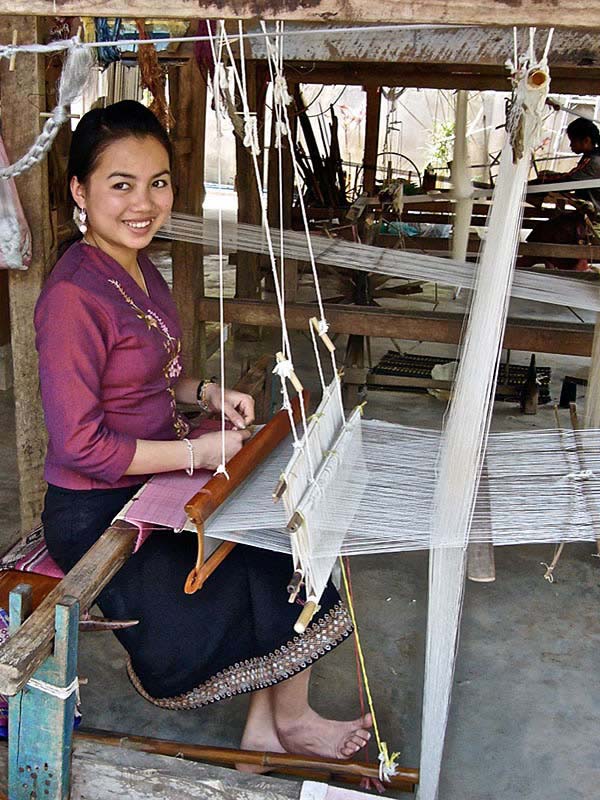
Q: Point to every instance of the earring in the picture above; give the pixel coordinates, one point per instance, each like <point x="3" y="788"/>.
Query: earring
<point x="82" y="220"/>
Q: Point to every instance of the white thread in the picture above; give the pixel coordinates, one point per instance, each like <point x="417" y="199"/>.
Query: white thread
<point x="284" y="369"/>
<point x="55" y="691"/>
<point x="220" y="80"/>
<point x="280" y="90"/>
<point x="250" y="140"/>
<point x="581" y="475"/>
<point x="76" y="74"/>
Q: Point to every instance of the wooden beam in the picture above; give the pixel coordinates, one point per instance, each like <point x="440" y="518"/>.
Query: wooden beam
<point x="436" y="12"/>
<point x="187" y="91"/>
<point x="475" y="46"/>
<point x="371" y="138"/>
<point x="437" y="76"/>
<point x="23" y="97"/>
<point x="521" y="334"/>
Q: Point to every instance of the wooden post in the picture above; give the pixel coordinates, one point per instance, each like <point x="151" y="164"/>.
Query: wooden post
<point x="187" y="92"/>
<point x="371" y="138"/>
<point x="247" y="274"/>
<point x="591" y="417"/>
<point x="23" y="96"/>
<point x="40" y="723"/>
<point x="5" y="355"/>
<point x="461" y="182"/>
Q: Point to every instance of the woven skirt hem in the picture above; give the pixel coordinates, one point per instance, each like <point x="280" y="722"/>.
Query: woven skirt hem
<point x="262" y="671"/>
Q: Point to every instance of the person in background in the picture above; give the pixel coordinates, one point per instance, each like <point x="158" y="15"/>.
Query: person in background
<point x="582" y="225"/>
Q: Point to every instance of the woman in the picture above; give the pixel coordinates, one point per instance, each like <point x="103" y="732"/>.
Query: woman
<point x="109" y="348"/>
<point x="571" y="227"/>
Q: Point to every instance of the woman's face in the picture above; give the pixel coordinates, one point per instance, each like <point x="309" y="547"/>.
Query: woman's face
<point x="127" y="197"/>
<point x="580" y="144"/>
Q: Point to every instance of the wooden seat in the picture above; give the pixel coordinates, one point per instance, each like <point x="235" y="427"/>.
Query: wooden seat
<point x="41" y="585"/>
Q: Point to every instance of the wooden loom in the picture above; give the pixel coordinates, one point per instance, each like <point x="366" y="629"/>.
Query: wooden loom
<point x="219" y="487"/>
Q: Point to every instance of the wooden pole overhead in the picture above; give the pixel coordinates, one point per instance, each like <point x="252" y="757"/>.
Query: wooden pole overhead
<point x="433" y="12"/>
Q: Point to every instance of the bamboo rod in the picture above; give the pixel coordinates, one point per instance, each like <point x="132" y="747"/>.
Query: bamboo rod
<point x="405" y="779"/>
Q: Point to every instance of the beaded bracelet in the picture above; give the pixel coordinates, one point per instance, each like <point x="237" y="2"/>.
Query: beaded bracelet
<point x="200" y="394"/>
<point x="190" y="470"/>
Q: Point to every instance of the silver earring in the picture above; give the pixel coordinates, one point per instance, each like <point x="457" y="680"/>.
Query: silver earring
<point x="82" y="220"/>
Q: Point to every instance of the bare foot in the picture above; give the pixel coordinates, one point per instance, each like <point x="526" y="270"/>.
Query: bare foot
<point x="311" y="734"/>
<point x="260" y="734"/>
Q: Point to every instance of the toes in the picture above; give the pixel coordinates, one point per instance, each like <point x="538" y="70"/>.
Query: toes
<point x="366" y="721"/>
<point x="362" y="736"/>
<point x="352" y="745"/>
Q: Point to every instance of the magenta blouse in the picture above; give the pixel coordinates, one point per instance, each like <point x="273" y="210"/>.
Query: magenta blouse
<point x="109" y="359"/>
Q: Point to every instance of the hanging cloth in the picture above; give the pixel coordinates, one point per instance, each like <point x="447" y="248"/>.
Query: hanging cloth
<point x="15" y="236"/>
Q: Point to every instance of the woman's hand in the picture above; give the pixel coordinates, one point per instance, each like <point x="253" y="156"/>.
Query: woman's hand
<point x="207" y="448"/>
<point x="238" y="407"/>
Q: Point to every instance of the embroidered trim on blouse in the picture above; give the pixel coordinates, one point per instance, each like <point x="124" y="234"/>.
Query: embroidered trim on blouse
<point x="172" y="369"/>
<point x="262" y="671"/>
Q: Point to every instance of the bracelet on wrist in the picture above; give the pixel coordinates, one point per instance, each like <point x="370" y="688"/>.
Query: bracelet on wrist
<point x="190" y="470"/>
<point x="201" y="394"/>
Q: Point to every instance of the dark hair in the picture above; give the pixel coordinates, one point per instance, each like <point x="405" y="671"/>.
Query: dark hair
<point x="580" y="128"/>
<point x="100" y="127"/>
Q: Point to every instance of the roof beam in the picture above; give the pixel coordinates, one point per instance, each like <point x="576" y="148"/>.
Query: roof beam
<point x="435" y="12"/>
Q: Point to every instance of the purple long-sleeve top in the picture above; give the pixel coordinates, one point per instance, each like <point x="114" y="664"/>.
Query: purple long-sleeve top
<point x="109" y="359"/>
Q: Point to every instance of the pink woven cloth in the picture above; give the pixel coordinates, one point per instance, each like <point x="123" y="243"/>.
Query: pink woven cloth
<point x="160" y="504"/>
<point x="161" y="501"/>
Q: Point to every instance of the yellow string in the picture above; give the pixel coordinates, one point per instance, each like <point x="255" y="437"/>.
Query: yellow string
<point x="389" y="761"/>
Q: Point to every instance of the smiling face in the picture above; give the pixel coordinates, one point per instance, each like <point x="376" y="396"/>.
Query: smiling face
<point x="127" y="197"/>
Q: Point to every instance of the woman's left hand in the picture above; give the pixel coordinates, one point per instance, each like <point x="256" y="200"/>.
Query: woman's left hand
<point x="238" y="407"/>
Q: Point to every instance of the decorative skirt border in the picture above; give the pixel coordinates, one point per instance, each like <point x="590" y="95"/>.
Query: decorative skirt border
<point x="262" y="671"/>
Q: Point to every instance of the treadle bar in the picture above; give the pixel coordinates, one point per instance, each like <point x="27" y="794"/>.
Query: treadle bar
<point x="40" y="725"/>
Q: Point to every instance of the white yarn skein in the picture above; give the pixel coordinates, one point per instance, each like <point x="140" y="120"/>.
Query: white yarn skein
<point x="76" y="73"/>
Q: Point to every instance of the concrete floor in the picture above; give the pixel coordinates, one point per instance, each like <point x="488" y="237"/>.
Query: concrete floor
<point x="526" y="708"/>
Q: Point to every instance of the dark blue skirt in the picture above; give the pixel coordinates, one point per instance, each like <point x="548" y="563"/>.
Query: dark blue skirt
<point x="235" y="635"/>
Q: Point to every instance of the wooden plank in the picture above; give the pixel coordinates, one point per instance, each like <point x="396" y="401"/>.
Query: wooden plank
<point x="32" y="643"/>
<point x="494" y="12"/>
<point x="4" y="309"/>
<point x="438" y="76"/>
<point x="521" y="334"/>
<point x="103" y="771"/>
<point x="473" y="47"/>
<point x="23" y="94"/>
<point x="188" y="100"/>
<point x="541" y="249"/>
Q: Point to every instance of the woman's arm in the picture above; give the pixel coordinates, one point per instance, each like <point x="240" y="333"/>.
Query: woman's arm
<point x="151" y="456"/>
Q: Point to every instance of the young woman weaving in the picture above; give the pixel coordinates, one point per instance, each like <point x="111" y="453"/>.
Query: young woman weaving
<point x="109" y="347"/>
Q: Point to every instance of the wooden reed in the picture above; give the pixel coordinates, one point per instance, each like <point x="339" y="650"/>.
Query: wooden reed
<point x="219" y="487"/>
